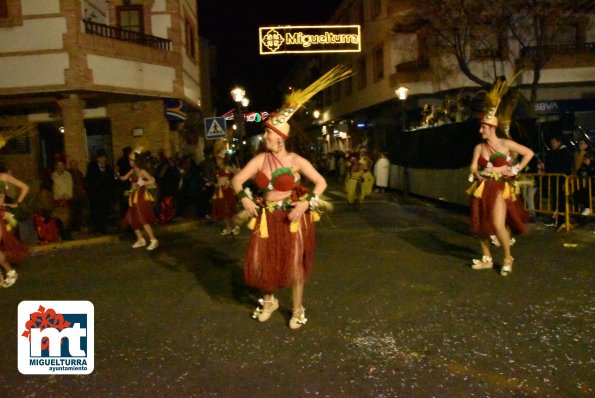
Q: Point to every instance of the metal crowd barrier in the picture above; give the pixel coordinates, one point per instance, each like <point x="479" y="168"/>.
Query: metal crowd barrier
<point x="548" y="194"/>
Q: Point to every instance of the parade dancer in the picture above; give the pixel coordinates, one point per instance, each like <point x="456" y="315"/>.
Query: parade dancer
<point x="223" y="203"/>
<point x="495" y="206"/>
<point x="11" y="249"/>
<point x="140" y="202"/>
<point x="280" y="252"/>
<point x="359" y="181"/>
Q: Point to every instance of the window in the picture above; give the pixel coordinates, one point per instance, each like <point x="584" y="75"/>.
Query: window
<point x="190" y="40"/>
<point x="379" y="63"/>
<point x="489" y="44"/>
<point x="361" y="76"/>
<point x="348" y="86"/>
<point x="375" y="8"/>
<point x="337" y="92"/>
<point x="3" y="8"/>
<point x="131" y="18"/>
<point x="358" y="13"/>
<point x="567" y="35"/>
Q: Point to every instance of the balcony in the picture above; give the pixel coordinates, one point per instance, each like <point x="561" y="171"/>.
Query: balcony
<point x="413" y="66"/>
<point x="111" y="32"/>
<point x="533" y="51"/>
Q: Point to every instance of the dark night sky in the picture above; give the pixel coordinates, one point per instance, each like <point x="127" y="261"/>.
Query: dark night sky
<point x="232" y="26"/>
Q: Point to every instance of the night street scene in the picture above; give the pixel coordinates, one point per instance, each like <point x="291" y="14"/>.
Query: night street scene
<point x="338" y="198"/>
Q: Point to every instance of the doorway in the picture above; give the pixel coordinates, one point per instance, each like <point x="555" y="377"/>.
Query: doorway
<point x="99" y="138"/>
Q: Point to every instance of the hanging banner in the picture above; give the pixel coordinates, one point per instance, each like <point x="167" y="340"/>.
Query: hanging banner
<point x="309" y="39"/>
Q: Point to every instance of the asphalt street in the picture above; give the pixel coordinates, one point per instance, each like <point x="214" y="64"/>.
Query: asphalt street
<point x="393" y="311"/>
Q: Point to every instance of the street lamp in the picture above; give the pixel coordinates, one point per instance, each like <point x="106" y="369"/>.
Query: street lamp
<point x="239" y="96"/>
<point x="401" y="94"/>
<point x="316" y="114"/>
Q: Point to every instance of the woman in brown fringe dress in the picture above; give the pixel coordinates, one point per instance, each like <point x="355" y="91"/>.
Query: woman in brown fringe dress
<point x="140" y="214"/>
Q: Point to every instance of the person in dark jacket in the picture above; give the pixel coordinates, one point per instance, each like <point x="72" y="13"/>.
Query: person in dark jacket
<point x="123" y="167"/>
<point x="100" y="183"/>
<point x="558" y="160"/>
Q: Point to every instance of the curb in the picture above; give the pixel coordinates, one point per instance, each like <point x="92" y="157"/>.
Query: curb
<point x="42" y="248"/>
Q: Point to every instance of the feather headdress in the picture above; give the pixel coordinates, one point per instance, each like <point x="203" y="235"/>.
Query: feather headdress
<point x="494" y="97"/>
<point x="293" y="101"/>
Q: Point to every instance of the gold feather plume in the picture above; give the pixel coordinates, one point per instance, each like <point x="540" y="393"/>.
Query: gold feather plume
<point x="300" y="97"/>
<point x="498" y="91"/>
<point x="10" y="130"/>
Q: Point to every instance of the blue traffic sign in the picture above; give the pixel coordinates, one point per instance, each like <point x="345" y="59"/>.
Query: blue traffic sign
<point x="215" y="127"/>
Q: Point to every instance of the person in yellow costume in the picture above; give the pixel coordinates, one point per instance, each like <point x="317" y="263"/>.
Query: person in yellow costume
<point x="359" y="181"/>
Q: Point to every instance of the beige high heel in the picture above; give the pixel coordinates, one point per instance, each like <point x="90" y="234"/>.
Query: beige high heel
<point x="506" y="266"/>
<point x="263" y="314"/>
<point x="486" y="262"/>
<point x="298" y="318"/>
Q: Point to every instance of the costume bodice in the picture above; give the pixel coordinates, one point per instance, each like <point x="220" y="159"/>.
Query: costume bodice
<point x="282" y="178"/>
<point x="496" y="158"/>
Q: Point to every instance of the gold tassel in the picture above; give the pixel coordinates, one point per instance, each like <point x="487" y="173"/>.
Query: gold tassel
<point x="264" y="230"/>
<point x="148" y="196"/>
<point x="220" y="193"/>
<point x="470" y="190"/>
<point x="252" y="223"/>
<point x="479" y="191"/>
<point x="506" y="193"/>
<point x="315" y="216"/>
<point x="294" y="226"/>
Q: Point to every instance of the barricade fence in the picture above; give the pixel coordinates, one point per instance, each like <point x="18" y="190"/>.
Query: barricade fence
<point x="550" y="194"/>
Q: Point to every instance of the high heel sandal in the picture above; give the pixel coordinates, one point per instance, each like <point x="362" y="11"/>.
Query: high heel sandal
<point x="486" y="262"/>
<point x="297" y="321"/>
<point x="506" y="266"/>
<point x="263" y="314"/>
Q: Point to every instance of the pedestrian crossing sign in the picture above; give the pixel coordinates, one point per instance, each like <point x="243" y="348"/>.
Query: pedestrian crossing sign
<point x="215" y="127"/>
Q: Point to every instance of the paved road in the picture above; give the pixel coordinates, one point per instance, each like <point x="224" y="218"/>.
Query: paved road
<point x="393" y="309"/>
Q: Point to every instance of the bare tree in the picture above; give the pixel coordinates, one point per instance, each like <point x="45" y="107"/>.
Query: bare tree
<point x="542" y="29"/>
<point x="477" y="30"/>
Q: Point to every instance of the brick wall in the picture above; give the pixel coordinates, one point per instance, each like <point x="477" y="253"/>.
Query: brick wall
<point x="147" y="115"/>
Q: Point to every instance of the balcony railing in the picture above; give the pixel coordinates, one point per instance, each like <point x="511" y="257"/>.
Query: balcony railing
<point x="413" y="66"/>
<point x="561" y="49"/>
<point x="94" y="28"/>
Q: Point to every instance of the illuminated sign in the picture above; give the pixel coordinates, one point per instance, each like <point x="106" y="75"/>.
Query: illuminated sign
<point x="309" y="39"/>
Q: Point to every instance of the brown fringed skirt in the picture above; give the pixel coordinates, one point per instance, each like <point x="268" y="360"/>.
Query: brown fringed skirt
<point x="11" y="247"/>
<point x="223" y="204"/>
<point x="482" y="206"/>
<point x="283" y="257"/>
<point x="140" y="210"/>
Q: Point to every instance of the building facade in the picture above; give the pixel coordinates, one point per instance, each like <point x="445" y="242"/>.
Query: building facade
<point x="398" y="50"/>
<point x="87" y="75"/>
